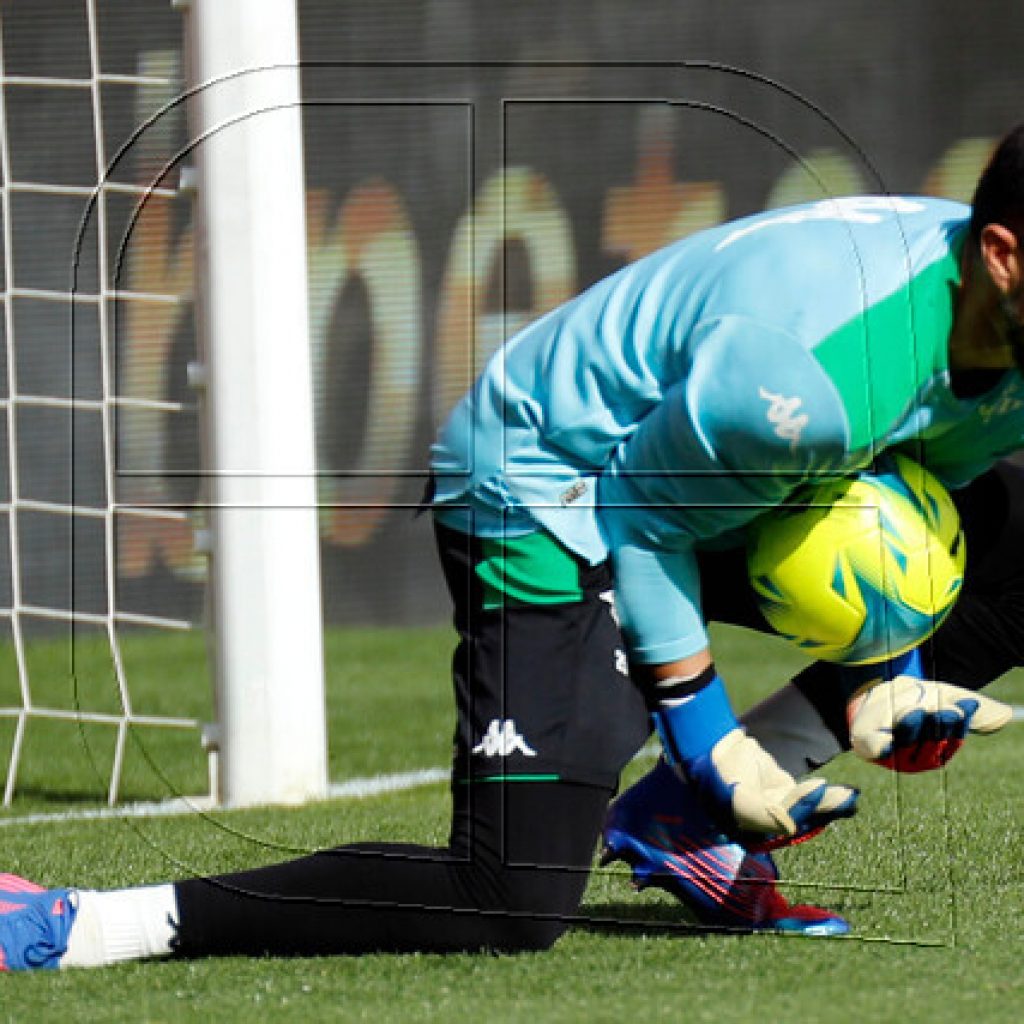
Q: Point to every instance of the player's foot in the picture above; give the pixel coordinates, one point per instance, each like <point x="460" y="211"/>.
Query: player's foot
<point x="34" y="924"/>
<point x="659" y="829"/>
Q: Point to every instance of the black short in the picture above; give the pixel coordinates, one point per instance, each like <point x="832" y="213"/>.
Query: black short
<point x="541" y="689"/>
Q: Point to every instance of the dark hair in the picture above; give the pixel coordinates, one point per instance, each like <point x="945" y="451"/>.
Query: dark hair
<point x="999" y="196"/>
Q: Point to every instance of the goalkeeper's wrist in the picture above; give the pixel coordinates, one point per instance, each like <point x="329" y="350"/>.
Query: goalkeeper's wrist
<point x="691" y="715"/>
<point x="855" y="678"/>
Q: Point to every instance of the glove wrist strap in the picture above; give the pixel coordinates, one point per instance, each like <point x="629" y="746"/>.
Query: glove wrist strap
<point x="854" y="678"/>
<point x="692" y="722"/>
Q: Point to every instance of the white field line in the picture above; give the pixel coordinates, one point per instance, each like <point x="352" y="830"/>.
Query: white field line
<point x="351" y="789"/>
<point x="358" y="789"/>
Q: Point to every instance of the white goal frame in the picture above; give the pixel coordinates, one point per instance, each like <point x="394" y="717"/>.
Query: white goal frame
<point x="242" y="68"/>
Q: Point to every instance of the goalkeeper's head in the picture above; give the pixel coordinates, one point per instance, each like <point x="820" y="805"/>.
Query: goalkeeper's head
<point x="996" y="233"/>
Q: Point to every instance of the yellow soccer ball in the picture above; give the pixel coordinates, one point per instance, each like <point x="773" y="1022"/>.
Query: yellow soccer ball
<point x="860" y="569"/>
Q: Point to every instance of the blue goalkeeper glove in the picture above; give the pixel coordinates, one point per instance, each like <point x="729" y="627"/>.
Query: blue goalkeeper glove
<point x="906" y="723"/>
<point x="736" y="779"/>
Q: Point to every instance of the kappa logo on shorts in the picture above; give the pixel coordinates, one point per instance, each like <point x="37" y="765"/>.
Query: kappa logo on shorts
<point x="608" y="596"/>
<point x="502" y="739"/>
<point x="621" y="662"/>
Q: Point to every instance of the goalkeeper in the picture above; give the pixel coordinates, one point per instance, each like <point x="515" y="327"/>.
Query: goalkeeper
<point x="644" y="421"/>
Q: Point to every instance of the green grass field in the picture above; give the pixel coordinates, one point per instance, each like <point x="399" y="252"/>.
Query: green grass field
<point x="930" y="872"/>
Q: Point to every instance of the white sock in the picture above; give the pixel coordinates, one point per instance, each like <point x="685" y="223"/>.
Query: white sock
<point x="121" y="924"/>
<point x="787" y="725"/>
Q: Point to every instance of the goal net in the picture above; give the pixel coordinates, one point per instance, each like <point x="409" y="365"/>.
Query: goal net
<point x="158" y="455"/>
<point x="100" y="582"/>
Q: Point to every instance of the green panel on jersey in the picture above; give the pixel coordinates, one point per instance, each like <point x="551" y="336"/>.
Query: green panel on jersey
<point x="534" y="569"/>
<point x="914" y="322"/>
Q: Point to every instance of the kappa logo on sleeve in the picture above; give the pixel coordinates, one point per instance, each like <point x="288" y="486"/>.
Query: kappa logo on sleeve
<point x="784" y="416"/>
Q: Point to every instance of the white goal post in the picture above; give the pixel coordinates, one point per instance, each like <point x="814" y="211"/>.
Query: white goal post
<point x="251" y="299"/>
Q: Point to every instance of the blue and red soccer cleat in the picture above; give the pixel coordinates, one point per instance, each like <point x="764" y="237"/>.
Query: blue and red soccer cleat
<point x="34" y="925"/>
<point x="660" y="830"/>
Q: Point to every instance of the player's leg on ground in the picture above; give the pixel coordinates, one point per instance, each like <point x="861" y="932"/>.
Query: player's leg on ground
<point x="546" y="720"/>
<point x="511" y="880"/>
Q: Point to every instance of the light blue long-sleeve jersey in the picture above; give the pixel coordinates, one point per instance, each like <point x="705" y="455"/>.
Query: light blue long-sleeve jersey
<point x="671" y="403"/>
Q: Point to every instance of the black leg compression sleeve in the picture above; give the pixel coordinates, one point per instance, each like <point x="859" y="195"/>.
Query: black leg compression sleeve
<point x="510" y="880"/>
<point x="984" y="635"/>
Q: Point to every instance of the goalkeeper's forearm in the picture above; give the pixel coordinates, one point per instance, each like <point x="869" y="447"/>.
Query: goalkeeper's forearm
<point x="739" y="783"/>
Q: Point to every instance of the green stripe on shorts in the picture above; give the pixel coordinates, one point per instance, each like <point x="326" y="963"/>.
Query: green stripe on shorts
<point x="510" y="778"/>
<point x="534" y="569"/>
